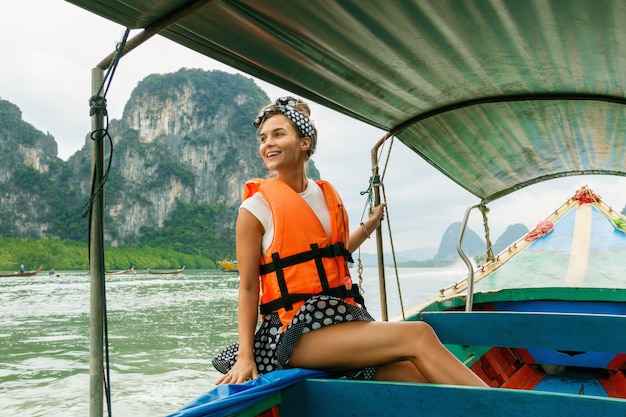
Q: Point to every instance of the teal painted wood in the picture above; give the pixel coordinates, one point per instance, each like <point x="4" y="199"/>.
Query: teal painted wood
<point x="559" y="331"/>
<point x="323" y="397"/>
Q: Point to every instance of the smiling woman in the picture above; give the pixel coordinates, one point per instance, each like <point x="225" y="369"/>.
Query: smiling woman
<point x="311" y="309"/>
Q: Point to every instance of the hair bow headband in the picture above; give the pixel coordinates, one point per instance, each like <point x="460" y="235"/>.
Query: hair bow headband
<point x="287" y="107"/>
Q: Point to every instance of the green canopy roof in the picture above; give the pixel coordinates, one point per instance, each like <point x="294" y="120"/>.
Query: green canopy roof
<point x="496" y="94"/>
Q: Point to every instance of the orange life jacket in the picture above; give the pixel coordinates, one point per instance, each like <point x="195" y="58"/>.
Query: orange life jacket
<point x="302" y="260"/>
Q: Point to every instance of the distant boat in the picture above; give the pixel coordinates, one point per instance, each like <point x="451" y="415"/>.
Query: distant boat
<point x="131" y="270"/>
<point x="23" y="274"/>
<point x="167" y="272"/>
<point x="228" y="266"/>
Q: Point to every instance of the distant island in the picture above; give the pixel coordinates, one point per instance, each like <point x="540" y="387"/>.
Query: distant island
<point x="446" y="254"/>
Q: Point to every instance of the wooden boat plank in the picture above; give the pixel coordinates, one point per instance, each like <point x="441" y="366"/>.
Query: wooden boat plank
<point x="561" y="331"/>
<point x="313" y="397"/>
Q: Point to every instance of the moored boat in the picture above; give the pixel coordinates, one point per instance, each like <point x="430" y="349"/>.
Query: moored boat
<point x="166" y="271"/>
<point x="22" y="274"/>
<point x="130" y="270"/>
<point x="228" y="266"/>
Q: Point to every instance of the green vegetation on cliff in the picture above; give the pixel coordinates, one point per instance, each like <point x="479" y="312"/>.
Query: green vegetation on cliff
<point x="197" y="230"/>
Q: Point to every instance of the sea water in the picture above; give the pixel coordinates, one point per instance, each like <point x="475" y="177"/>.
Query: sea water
<point x="163" y="331"/>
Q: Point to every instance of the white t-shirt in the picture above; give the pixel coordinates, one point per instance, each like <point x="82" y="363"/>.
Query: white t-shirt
<point x="260" y="208"/>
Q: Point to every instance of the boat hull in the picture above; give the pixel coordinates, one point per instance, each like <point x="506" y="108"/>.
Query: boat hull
<point x="294" y="394"/>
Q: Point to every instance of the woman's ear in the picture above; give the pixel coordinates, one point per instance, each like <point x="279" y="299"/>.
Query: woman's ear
<point x="305" y="144"/>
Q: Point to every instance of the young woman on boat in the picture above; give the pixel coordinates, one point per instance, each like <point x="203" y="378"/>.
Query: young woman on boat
<point x="292" y="232"/>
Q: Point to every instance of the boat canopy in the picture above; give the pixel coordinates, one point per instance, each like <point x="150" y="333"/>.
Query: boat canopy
<point x="495" y="94"/>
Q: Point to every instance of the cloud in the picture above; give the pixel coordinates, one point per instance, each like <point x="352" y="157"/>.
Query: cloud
<point x="47" y="63"/>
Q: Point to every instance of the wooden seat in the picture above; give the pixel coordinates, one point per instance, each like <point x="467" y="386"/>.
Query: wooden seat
<point x="556" y="331"/>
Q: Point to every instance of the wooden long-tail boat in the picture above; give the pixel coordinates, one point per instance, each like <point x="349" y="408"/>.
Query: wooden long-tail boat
<point x="228" y="266"/>
<point x="22" y="274"/>
<point x="130" y="270"/>
<point x="167" y="271"/>
<point x="497" y="95"/>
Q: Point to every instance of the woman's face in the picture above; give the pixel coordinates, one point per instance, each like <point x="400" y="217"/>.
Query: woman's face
<point x="279" y="144"/>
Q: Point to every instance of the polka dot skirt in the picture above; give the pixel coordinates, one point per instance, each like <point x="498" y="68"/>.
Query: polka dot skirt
<point x="272" y="347"/>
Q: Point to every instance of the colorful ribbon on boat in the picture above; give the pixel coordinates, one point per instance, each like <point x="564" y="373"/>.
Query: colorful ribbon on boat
<point x="585" y="196"/>
<point x="543" y="228"/>
<point x="620" y="222"/>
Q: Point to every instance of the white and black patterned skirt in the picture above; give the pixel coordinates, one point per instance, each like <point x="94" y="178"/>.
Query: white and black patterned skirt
<point x="272" y="347"/>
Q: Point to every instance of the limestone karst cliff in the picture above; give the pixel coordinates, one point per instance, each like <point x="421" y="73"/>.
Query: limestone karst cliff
<point x="29" y="174"/>
<point x="185" y="138"/>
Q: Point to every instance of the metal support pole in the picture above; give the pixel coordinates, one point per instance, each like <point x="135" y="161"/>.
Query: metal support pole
<point x="469" y="300"/>
<point x="96" y="257"/>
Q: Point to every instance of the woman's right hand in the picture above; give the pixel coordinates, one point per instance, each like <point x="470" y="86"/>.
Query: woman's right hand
<point x="249" y="235"/>
<point x="243" y="370"/>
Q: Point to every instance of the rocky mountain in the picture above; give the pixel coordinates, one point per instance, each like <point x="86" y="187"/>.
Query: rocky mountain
<point x="35" y="184"/>
<point x="510" y="235"/>
<point x="185" y="138"/>
<point x="472" y="244"/>
<point x="184" y="147"/>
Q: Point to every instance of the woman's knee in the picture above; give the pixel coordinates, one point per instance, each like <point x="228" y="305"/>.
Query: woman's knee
<point x="423" y="333"/>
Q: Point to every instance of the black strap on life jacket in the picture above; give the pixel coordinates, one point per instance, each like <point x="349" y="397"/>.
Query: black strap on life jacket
<point x="316" y="254"/>
<point x="339" y="292"/>
<point x="330" y="251"/>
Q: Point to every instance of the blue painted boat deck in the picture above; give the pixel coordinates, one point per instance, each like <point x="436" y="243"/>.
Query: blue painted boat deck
<point x="323" y="397"/>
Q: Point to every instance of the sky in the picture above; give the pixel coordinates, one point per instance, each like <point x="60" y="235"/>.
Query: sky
<point x="49" y="47"/>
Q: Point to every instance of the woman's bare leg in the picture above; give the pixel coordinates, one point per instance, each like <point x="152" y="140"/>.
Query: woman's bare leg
<point x="356" y="345"/>
<point x="403" y="371"/>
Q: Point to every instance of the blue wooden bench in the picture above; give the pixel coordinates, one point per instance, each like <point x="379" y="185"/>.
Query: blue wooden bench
<point x="555" y="331"/>
<point x="324" y="397"/>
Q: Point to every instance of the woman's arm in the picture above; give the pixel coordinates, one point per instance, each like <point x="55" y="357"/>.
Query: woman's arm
<point x="249" y="233"/>
<point x="359" y="234"/>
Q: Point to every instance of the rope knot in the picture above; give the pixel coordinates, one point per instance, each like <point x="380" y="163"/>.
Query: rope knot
<point x="373" y="182"/>
<point x="97" y="104"/>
